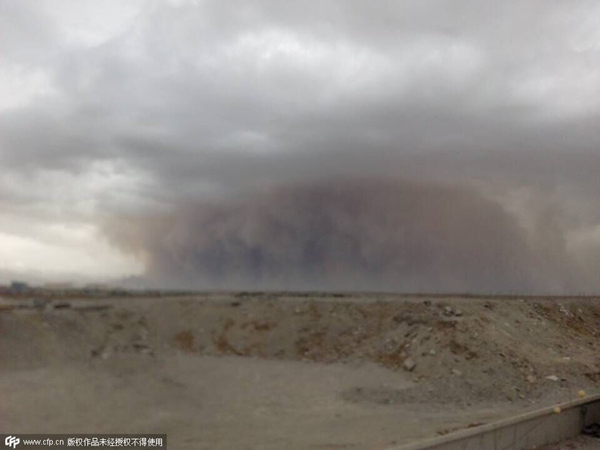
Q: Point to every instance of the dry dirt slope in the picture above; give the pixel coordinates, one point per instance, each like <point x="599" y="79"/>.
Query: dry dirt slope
<point x="308" y="371"/>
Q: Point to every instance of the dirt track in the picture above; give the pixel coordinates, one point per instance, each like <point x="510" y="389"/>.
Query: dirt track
<point x="266" y="371"/>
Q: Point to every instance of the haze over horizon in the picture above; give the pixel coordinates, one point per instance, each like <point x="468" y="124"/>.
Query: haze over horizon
<point x="408" y="146"/>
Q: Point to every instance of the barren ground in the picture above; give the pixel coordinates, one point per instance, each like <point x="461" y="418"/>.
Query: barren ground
<point x="294" y="371"/>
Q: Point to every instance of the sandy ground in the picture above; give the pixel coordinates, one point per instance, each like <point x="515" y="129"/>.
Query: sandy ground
<point x="579" y="443"/>
<point x="266" y="371"/>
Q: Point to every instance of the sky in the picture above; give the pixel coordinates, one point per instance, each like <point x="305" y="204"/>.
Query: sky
<point x="391" y="145"/>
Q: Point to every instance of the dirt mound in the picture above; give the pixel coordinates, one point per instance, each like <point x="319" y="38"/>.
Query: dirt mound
<point x="456" y="350"/>
<point x="229" y="371"/>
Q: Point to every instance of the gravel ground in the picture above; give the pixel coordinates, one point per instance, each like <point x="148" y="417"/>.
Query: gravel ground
<point x="579" y="443"/>
<point x="297" y="371"/>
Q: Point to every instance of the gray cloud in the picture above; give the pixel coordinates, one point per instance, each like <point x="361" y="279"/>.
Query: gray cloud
<point x="155" y="107"/>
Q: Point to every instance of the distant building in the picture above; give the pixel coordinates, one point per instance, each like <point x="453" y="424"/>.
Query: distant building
<point x="98" y="287"/>
<point x="59" y="286"/>
<point x="18" y="286"/>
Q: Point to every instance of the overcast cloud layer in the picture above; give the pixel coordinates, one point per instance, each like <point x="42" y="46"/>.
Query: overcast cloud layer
<point x="426" y="146"/>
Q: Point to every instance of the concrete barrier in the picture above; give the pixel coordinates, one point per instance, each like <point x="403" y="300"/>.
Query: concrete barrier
<point x="523" y="432"/>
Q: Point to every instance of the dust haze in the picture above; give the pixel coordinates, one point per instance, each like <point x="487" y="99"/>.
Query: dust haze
<point x="355" y="234"/>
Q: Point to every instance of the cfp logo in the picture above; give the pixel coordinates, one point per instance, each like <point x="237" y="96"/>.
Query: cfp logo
<point x="12" y="441"/>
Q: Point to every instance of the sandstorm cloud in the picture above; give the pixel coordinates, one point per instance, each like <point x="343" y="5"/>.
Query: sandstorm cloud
<point x="414" y="146"/>
<point x="366" y="235"/>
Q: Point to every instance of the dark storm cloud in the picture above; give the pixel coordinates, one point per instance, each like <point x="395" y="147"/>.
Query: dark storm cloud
<point x="160" y="107"/>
